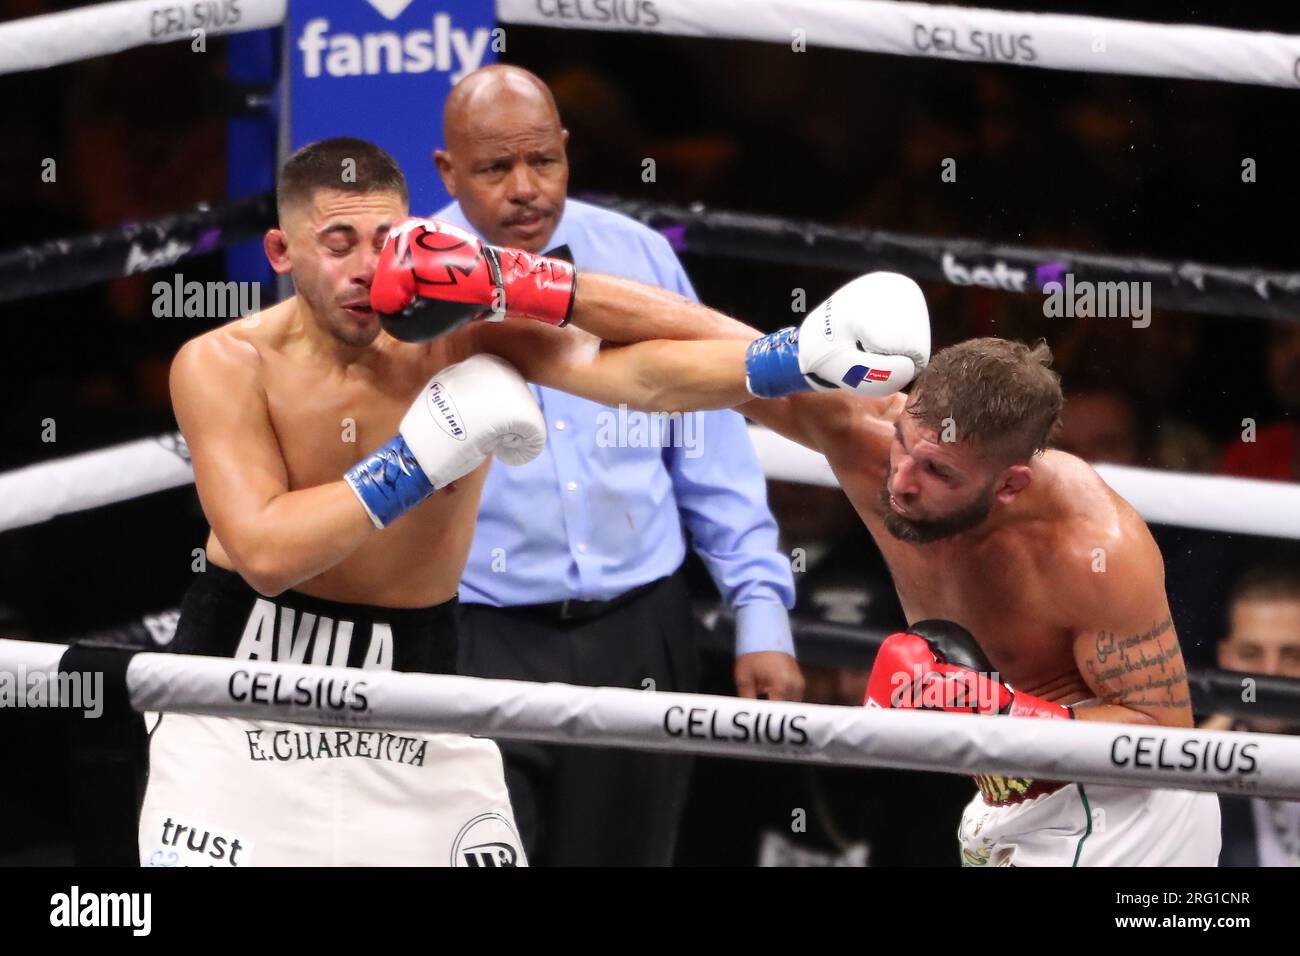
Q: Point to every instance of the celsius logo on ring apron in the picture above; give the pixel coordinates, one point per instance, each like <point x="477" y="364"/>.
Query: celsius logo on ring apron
<point x="380" y="70"/>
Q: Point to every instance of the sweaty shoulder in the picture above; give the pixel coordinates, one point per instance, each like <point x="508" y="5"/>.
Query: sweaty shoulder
<point x="1098" y="533"/>
<point x="230" y="354"/>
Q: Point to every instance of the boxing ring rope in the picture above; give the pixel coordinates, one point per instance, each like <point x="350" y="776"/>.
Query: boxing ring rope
<point x="827" y="644"/>
<point x="52" y="39"/>
<point x="1194" y="286"/>
<point x="1263" y="765"/>
<point x="42" y="491"/>
<point x="1045" y="40"/>
<point x="830" y="644"/>
<point x="1205" y="502"/>
<point x="58" y="265"/>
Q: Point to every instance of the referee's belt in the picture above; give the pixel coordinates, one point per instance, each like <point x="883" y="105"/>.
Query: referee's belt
<point x="573" y="610"/>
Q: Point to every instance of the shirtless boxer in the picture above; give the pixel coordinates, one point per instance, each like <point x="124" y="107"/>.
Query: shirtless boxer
<point x="307" y="565"/>
<point x="1019" y="560"/>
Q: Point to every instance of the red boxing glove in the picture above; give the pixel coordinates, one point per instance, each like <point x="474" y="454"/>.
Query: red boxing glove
<point x="937" y="665"/>
<point x="433" y="276"/>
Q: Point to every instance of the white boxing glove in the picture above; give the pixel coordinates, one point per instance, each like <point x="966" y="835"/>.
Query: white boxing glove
<point x="475" y="408"/>
<point x="871" y="337"/>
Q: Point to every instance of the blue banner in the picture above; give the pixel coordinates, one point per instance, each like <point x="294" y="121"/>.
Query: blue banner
<point x="252" y="63"/>
<point x="380" y="70"/>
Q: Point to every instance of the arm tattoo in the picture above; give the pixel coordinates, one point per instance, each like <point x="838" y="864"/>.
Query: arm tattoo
<point x="1144" y="670"/>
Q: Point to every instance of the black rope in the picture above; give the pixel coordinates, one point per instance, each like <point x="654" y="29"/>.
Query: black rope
<point x="62" y="264"/>
<point x="1213" y="691"/>
<point x="1194" y="286"/>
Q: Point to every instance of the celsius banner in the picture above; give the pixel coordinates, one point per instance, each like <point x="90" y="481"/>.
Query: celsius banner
<point x="380" y="70"/>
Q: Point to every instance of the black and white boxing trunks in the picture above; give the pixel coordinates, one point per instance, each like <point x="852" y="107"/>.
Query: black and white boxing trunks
<point x="227" y="791"/>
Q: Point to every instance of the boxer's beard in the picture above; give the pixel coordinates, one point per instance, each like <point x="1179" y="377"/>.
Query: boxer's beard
<point x="926" y="530"/>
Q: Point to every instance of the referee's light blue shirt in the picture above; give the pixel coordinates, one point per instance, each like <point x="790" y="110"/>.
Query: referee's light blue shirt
<point x="609" y="503"/>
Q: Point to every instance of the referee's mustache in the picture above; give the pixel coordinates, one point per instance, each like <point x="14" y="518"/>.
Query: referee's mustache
<point x="527" y="214"/>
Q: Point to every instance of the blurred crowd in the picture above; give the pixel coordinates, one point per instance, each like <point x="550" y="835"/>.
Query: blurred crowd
<point x="1104" y="164"/>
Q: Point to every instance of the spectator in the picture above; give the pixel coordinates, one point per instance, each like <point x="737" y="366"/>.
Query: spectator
<point x="1104" y="423"/>
<point x="1273" y="451"/>
<point x="1101" y="425"/>
<point x="1263" y="637"/>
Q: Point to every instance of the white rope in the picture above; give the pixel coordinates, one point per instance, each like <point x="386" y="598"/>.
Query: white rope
<point x="1266" y="765"/>
<point x="118" y="473"/>
<point x="35" y="43"/>
<point x="1209" y="502"/>
<point x="1052" y="41"/>
<point x="1049" y="40"/>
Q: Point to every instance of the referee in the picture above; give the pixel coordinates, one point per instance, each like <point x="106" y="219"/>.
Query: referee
<point x="575" y="571"/>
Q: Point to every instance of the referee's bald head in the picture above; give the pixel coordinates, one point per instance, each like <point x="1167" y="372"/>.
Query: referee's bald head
<point x="504" y="156"/>
<point x="477" y="99"/>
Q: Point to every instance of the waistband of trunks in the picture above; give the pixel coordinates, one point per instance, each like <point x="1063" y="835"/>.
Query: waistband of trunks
<point x="221" y="616"/>
<point x="1009" y="791"/>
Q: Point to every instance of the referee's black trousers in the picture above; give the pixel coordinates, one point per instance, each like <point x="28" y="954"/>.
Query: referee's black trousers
<point x="592" y="806"/>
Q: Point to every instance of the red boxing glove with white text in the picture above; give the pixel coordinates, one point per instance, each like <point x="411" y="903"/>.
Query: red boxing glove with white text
<point x="936" y="665"/>
<point x="433" y="276"/>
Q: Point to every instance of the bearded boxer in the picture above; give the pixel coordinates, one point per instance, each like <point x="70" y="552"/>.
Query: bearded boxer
<point x="1020" y="558"/>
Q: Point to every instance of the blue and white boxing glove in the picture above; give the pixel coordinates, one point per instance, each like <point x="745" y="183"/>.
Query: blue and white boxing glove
<point x="871" y="337"/>
<point x="475" y="408"/>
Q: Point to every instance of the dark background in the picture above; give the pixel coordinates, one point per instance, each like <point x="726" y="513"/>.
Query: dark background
<point x="1107" y="164"/>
